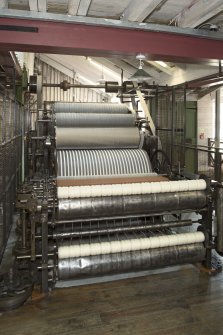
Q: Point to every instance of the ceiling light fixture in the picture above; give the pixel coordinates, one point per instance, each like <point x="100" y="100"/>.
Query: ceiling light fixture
<point x="140" y="75"/>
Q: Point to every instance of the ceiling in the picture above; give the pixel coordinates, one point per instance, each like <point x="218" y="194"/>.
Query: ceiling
<point x="184" y="13"/>
<point x="201" y="15"/>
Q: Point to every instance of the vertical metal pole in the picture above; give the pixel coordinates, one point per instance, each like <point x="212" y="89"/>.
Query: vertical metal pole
<point x="207" y="219"/>
<point x="39" y="92"/>
<point x="217" y="117"/>
<point x="33" y="242"/>
<point x="23" y="144"/>
<point x="184" y="125"/>
<point x="44" y="219"/>
<point x="122" y="77"/>
<point x="155" y="116"/>
<point x="24" y="230"/>
<point x="217" y="135"/>
<point x="173" y="126"/>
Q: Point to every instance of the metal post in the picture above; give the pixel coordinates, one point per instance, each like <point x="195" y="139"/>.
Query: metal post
<point x="217" y="166"/>
<point x="23" y="143"/>
<point x="43" y="220"/>
<point x="122" y="77"/>
<point x="207" y="220"/>
<point x="24" y="230"/>
<point x="184" y="125"/>
<point x="173" y="126"/>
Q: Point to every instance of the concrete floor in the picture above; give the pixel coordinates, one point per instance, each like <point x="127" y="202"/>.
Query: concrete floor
<point x="184" y="302"/>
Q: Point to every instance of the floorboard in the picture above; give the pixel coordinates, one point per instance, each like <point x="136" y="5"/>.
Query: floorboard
<point x="184" y="302"/>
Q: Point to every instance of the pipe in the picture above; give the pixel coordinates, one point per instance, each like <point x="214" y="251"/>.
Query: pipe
<point x="120" y="229"/>
<point x="74" y="85"/>
<point x="217" y="165"/>
<point x="217" y="117"/>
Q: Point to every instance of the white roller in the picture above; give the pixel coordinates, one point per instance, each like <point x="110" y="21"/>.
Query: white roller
<point x="72" y="192"/>
<point x="102" y="248"/>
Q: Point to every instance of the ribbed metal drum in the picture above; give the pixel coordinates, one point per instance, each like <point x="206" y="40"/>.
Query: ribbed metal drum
<point x="97" y="138"/>
<point x="90" y="107"/>
<point x="90" y="163"/>
<point x="82" y="267"/>
<point x="94" y="120"/>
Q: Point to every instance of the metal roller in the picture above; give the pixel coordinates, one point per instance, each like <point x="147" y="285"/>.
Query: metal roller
<point x="92" y="163"/>
<point x="97" y="138"/>
<point x="68" y="231"/>
<point x="117" y="206"/>
<point x="82" y="267"/>
<point x="84" y="120"/>
<point x="90" y="107"/>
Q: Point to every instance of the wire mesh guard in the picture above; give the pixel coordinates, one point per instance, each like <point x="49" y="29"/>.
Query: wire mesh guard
<point x="10" y="162"/>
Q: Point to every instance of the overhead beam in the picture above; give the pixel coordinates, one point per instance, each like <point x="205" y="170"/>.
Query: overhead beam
<point x="83" y="8"/>
<point x="199" y="13"/>
<point x="139" y="10"/>
<point x="73" y="6"/>
<point x="33" y="5"/>
<point x="98" y="37"/>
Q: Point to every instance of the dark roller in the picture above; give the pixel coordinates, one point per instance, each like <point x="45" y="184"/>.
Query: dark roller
<point x="84" y="267"/>
<point x="118" y="206"/>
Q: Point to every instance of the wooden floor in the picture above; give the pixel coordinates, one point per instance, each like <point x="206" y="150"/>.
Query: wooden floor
<point x="173" y="303"/>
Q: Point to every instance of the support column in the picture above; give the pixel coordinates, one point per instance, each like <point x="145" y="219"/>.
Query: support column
<point x="217" y="166"/>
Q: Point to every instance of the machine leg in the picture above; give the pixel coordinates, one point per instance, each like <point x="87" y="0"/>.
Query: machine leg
<point x="43" y="220"/>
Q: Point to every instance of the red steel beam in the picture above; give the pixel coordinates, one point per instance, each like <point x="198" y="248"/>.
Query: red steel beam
<point x="93" y="40"/>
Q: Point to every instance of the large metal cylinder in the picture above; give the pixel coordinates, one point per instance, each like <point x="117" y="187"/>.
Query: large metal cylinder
<point x="118" y="206"/>
<point x="98" y="138"/>
<point x="90" y="107"/>
<point x="82" y="267"/>
<point x="84" y="120"/>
